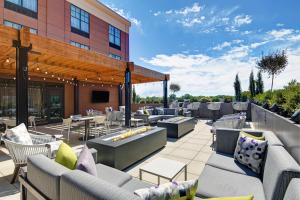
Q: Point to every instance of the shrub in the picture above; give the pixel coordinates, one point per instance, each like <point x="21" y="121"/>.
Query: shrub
<point x="228" y="99"/>
<point x="215" y="99"/>
<point x="205" y="99"/>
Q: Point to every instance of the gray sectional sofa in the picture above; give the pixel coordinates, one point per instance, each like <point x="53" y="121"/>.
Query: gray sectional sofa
<point x="155" y="115"/>
<point x="223" y="176"/>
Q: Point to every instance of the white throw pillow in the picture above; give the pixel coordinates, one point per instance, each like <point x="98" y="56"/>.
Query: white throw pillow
<point x="19" y="134"/>
<point x="185" y="190"/>
<point x="250" y="152"/>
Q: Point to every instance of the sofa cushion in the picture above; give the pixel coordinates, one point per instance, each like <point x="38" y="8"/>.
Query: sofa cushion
<point x="135" y="184"/>
<point x="86" y="162"/>
<point x="272" y="139"/>
<point x="112" y="175"/>
<point x="227" y="162"/>
<point x="296" y="117"/>
<point x="66" y="156"/>
<point x="280" y="168"/>
<point x="183" y="190"/>
<point x="19" y="134"/>
<point x="77" y="185"/>
<point x="250" y="152"/>
<point x="44" y="174"/>
<point x="215" y="182"/>
<point x="170" y="111"/>
<point x="293" y="190"/>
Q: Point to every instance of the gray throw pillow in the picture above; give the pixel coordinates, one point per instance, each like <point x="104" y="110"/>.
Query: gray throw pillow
<point x="250" y="152"/>
<point x="86" y="162"/>
<point x="296" y="117"/>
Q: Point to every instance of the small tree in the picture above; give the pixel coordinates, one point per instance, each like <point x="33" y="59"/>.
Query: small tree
<point x="134" y="95"/>
<point x="174" y="88"/>
<point x="273" y="64"/>
<point x="237" y="88"/>
<point x="251" y="85"/>
<point x="259" y="84"/>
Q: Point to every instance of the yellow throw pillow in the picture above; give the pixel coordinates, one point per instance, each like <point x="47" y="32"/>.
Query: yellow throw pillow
<point x="252" y="136"/>
<point x="66" y="156"/>
<point x="146" y="112"/>
<point x="250" y="197"/>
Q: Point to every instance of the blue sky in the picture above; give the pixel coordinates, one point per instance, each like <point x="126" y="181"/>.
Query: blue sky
<point x="203" y="44"/>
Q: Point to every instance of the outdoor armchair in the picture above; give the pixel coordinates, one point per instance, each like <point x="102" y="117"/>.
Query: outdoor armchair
<point x="20" y="152"/>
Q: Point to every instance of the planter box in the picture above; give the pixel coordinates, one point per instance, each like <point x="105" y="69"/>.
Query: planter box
<point x="178" y="126"/>
<point x="123" y="153"/>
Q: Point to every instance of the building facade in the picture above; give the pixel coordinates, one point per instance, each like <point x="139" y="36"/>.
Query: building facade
<point x="85" y="24"/>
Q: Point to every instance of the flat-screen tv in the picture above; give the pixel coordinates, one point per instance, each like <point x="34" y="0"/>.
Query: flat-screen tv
<point x="100" y="96"/>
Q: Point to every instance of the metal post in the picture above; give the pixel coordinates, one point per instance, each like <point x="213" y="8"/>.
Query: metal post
<point x="76" y="97"/>
<point x="120" y="95"/>
<point x="165" y="88"/>
<point x="21" y="82"/>
<point x="127" y="95"/>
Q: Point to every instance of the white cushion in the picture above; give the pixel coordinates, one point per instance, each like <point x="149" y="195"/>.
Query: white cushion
<point x="175" y="190"/>
<point x="19" y="134"/>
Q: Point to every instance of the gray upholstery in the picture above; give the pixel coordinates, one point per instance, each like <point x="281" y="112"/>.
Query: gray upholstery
<point x="226" y="140"/>
<point x="135" y="184"/>
<point x="293" y="190"/>
<point x="45" y="174"/>
<point x="227" y="162"/>
<point x="77" y="185"/>
<point x="280" y="168"/>
<point x="215" y="182"/>
<point x="112" y="175"/>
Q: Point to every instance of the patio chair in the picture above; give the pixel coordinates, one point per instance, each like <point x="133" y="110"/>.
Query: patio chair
<point x="31" y="121"/>
<point x="214" y="108"/>
<point x="101" y="125"/>
<point x="66" y="124"/>
<point x="20" y="152"/>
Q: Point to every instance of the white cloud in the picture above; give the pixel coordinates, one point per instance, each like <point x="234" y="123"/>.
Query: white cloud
<point x="294" y="38"/>
<point x="222" y="46"/>
<point x="200" y="74"/>
<point x="188" y="10"/>
<point x="240" y="20"/>
<point x="157" y="13"/>
<point x="279" y="24"/>
<point x="257" y="44"/>
<point x="280" y="34"/>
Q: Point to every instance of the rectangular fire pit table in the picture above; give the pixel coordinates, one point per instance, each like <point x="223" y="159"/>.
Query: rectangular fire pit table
<point x="125" y="152"/>
<point x="177" y="126"/>
<point x="164" y="168"/>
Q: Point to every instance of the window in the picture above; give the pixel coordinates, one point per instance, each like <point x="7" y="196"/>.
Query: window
<point x="114" y="37"/>
<point x="115" y="56"/>
<point x="76" y="44"/>
<point x="26" y="7"/>
<point x="80" y="20"/>
<point x="18" y="26"/>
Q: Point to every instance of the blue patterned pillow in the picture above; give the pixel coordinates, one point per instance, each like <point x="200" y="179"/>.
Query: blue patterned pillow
<point x="250" y="152"/>
<point x="185" y="190"/>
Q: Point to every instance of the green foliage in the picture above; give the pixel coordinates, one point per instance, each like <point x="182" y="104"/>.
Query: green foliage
<point x="259" y="83"/>
<point x="273" y="64"/>
<point x="251" y="85"/>
<point x="205" y="99"/>
<point x="288" y="97"/>
<point x="237" y="88"/>
<point x="215" y="99"/>
<point x="228" y="99"/>
<point x="245" y="96"/>
<point x="134" y="100"/>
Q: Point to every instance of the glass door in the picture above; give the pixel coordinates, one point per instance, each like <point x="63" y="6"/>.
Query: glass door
<point x="54" y="103"/>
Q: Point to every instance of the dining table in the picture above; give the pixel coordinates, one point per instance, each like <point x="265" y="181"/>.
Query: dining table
<point x="86" y="120"/>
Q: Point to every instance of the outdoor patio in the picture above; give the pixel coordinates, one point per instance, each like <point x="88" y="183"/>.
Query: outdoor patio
<point x="193" y="149"/>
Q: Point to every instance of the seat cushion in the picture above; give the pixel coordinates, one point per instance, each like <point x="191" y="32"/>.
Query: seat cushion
<point x="272" y="139"/>
<point x="293" y="190"/>
<point x="19" y="134"/>
<point x="215" y="182"/>
<point x="227" y="162"/>
<point x="112" y="175"/>
<point x="135" y="184"/>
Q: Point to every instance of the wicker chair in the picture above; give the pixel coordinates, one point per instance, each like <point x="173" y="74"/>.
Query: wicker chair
<point x="20" y="152"/>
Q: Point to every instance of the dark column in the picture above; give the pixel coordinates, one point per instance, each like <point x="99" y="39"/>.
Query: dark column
<point x="120" y="95"/>
<point x="165" y="97"/>
<point x="21" y="82"/>
<point x="128" y="95"/>
<point x="76" y="97"/>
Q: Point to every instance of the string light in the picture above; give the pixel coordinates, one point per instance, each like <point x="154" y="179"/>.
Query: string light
<point x="102" y="85"/>
<point x="7" y="60"/>
<point x="38" y="68"/>
<point x="86" y="79"/>
<point x="72" y="79"/>
<point x="14" y="78"/>
<point x="52" y="75"/>
<point x="58" y="78"/>
<point x="44" y="79"/>
<point x="29" y="78"/>
<point x="46" y="72"/>
<point x="63" y="79"/>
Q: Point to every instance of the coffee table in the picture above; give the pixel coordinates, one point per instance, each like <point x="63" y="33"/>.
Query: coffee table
<point x="164" y="168"/>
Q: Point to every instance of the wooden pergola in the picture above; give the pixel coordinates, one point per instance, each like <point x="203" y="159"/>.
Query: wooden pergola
<point x="23" y="54"/>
